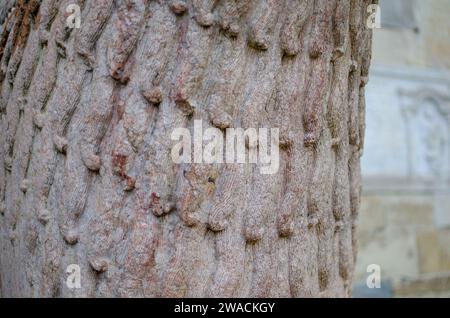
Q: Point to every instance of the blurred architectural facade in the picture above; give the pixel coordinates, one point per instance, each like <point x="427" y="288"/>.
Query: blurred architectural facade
<point x="404" y="224"/>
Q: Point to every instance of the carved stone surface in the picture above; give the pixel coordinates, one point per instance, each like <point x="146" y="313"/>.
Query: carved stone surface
<point x="408" y="136"/>
<point x="427" y="116"/>
<point x="408" y="127"/>
<point x="103" y="191"/>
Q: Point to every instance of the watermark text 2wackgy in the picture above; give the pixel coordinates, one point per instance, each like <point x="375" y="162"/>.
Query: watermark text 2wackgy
<point x="254" y="144"/>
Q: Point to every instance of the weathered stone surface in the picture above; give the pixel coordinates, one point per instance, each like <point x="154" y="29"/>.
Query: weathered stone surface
<point x="441" y="208"/>
<point x="373" y="214"/>
<point x="409" y="210"/>
<point x="407" y="121"/>
<point x="431" y="285"/>
<point x="382" y="248"/>
<point x="104" y="193"/>
<point x="434" y="251"/>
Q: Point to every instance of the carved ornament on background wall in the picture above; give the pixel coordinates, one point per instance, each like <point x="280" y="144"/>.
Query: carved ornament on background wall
<point x="427" y="116"/>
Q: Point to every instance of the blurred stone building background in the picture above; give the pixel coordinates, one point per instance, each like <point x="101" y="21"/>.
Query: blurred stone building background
<point x="404" y="224"/>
